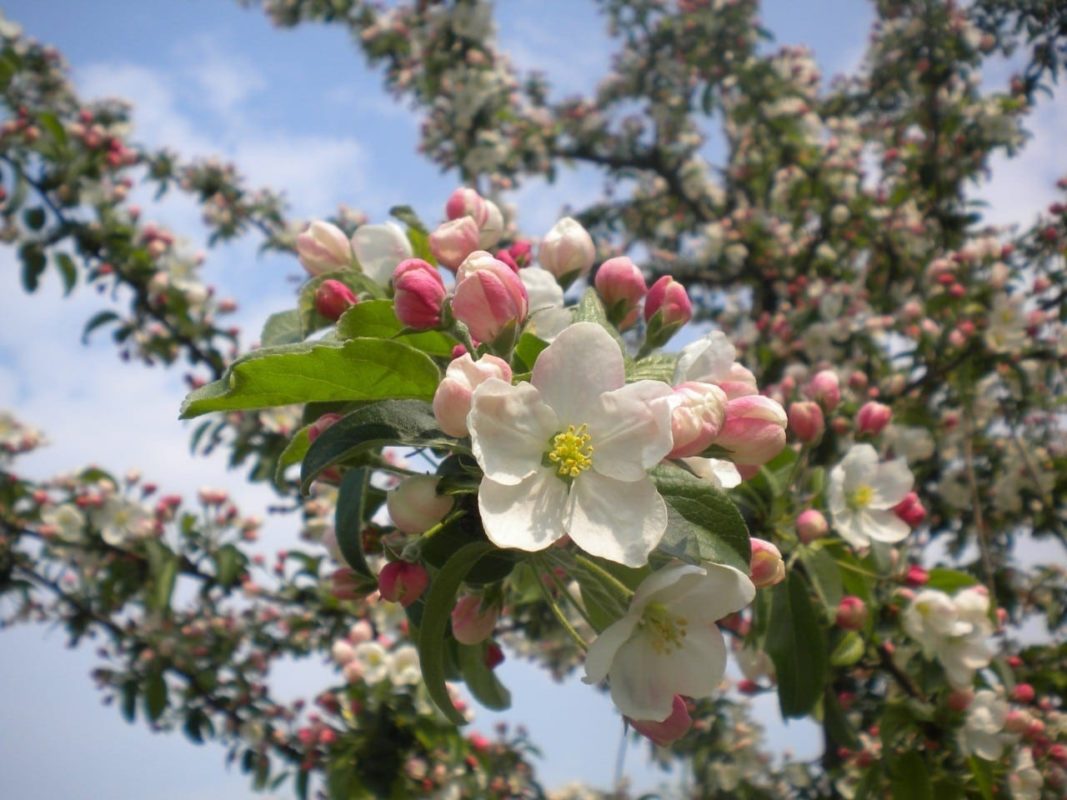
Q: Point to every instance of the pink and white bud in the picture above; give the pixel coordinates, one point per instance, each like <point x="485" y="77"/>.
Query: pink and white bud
<point x="402" y="582"/>
<point x="491" y="231"/>
<point x="415" y="506"/>
<point x="806" y="421"/>
<point x="333" y="298"/>
<point x="361" y="631"/>
<point x="811" y="525"/>
<point x="825" y="389"/>
<point x="419" y="294"/>
<point x="916" y="576"/>
<point x="379" y="248"/>
<point x="323" y="247"/>
<point x="567" y="251"/>
<point x="911" y="510"/>
<point x="466" y="202"/>
<point x="1023" y="693"/>
<point x="766" y="567"/>
<point x="872" y="418"/>
<point x="621" y="286"/>
<point x="754" y="430"/>
<point x="851" y="613"/>
<point x="488" y="297"/>
<point x="453" y="241"/>
<point x="739" y="382"/>
<point x="452" y="400"/>
<point x="698" y="411"/>
<point x="472" y="621"/>
<point x="668" y="299"/>
<point x="673" y="728"/>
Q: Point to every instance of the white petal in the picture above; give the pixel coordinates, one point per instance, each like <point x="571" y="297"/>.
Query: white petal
<point x="891" y="482"/>
<point x="603" y="649"/>
<point x="379" y="248"/>
<point x="859" y="467"/>
<point x="723" y="591"/>
<point x="884" y="526"/>
<point x="708" y="359"/>
<point x="850" y="526"/>
<point x="663" y="581"/>
<point x="527" y="516"/>
<point x="719" y="473"/>
<point x="616" y="520"/>
<point x="631" y="431"/>
<point x="573" y="371"/>
<point x="511" y="428"/>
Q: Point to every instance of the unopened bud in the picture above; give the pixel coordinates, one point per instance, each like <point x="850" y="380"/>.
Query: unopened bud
<point x="851" y="613"/>
<point x="333" y="298"/>
<point x="825" y="389"/>
<point x="567" y="251"/>
<point x="415" y="506"/>
<point x="698" y="411"/>
<point x="323" y="247"/>
<point x="452" y="400"/>
<point x="754" y="430"/>
<point x="473" y="621"/>
<point x="671" y="729"/>
<point x="872" y="418"/>
<point x="811" y="525"/>
<point x="453" y="241"/>
<point x="766" y="567"/>
<point x="419" y="294"/>
<point x="489" y="297"/>
<point x="806" y="421"/>
<point x="621" y="286"/>
<point x="910" y="509"/>
<point x="667" y="308"/>
<point x="402" y="582"/>
<point x="466" y="202"/>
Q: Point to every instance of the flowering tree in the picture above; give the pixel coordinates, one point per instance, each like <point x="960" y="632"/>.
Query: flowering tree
<point x="491" y="441"/>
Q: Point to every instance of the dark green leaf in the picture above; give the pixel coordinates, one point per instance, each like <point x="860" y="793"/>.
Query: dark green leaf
<point x="407" y="422"/>
<point x="155" y="695"/>
<point x="375" y="319"/>
<point x="825" y="575"/>
<point x="51" y="123"/>
<point x="703" y="523"/>
<point x="348" y="520"/>
<point x="982" y="771"/>
<point x="99" y="319"/>
<point x="481" y="680"/>
<point x="228" y="565"/>
<point x="837" y="724"/>
<point x="292" y="454"/>
<point x="590" y="309"/>
<point x="407" y="215"/>
<point x="433" y="632"/>
<point x="796" y="644"/>
<point x="529" y="347"/>
<point x="356" y="370"/>
<point x="33" y="264"/>
<point x="34" y="218"/>
<point x="908" y="778"/>
<point x="282" y="328"/>
<point x="67" y="271"/>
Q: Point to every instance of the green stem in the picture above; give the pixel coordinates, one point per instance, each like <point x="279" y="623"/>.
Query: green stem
<point x="559" y="615"/>
<point x="620" y="588"/>
<point x="566" y="593"/>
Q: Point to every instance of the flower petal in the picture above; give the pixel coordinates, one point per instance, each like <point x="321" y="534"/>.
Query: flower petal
<point x="527" y="516"/>
<point x="631" y="431"/>
<point x="603" y="649"/>
<point x="616" y="520"/>
<point x="579" y="366"/>
<point x="891" y="482"/>
<point x="511" y="428"/>
<point x="709" y="599"/>
<point x="859" y="467"/>
<point x="884" y="526"/>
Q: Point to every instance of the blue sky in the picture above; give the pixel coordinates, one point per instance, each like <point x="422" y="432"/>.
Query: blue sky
<point x="296" y="110"/>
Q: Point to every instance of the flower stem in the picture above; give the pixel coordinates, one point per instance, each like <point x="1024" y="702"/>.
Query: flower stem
<point x="559" y="615"/>
<point x="620" y="588"/>
<point x="573" y="601"/>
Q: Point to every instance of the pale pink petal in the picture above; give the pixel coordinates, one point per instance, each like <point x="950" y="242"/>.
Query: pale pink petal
<point x="616" y="520"/>
<point x="631" y="431"/>
<point x="579" y="366"/>
<point x="527" y="516"/>
<point x="511" y="429"/>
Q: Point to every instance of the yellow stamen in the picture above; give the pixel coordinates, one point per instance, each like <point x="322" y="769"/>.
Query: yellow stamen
<point x="666" y="630"/>
<point x="571" y="451"/>
<point x="861" y="497"/>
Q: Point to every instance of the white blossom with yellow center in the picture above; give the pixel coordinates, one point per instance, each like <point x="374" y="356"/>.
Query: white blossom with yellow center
<point x="569" y="452"/>
<point x="862" y="495"/>
<point x="667" y="643"/>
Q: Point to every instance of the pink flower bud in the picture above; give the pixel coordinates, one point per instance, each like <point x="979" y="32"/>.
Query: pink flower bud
<point x="415" y="506"/>
<point x="811" y="525"/>
<point x="621" y="286"/>
<point x="489" y="296"/>
<point x="321" y="424"/>
<point x="1017" y="721"/>
<point x="333" y="298"/>
<point x="1023" y="693"/>
<point x="911" y="510"/>
<point x="323" y="247"/>
<point x="872" y="418"/>
<point x="697" y="414"/>
<point x="806" y="421"/>
<point x="669" y="299"/>
<point x="673" y="728"/>
<point x="521" y="252"/>
<point x="916" y="576"/>
<point x="754" y="430"/>
<point x="825" y="389"/>
<point x="453" y="241"/>
<point x="403" y="582"/>
<point x="960" y="699"/>
<point x="419" y="294"/>
<point x="473" y="622"/>
<point x="851" y="613"/>
<point x="739" y="382"/>
<point x="567" y="251"/>
<point x="466" y="202"/>
<point x="345" y="584"/>
<point x="491" y="231"/>
<point x="767" y="567"/>
<point x="452" y="400"/>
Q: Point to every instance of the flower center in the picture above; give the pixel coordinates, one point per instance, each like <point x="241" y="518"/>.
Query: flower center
<point x="571" y="451"/>
<point x="861" y="497"/>
<point x="666" y="630"/>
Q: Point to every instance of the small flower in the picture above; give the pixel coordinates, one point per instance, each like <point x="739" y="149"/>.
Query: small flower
<point x="122" y="522"/>
<point x="954" y="630"/>
<point x="667" y="643"/>
<point x="548" y="315"/>
<point x="379" y="248"/>
<point x="452" y="400"/>
<point x="66" y="520"/>
<point x="862" y="495"/>
<point x="372" y="662"/>
<point x="323" y="247"/>
<point x="404" y="666"/>
<point x="567" y="251"/>
<point x="569" y="452"/>
<point x="983" y="731"/>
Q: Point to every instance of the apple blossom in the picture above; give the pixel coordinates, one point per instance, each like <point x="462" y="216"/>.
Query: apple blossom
<point x="333" y="298"/>
<point x="489" y="298"/>
<point x="667" y="643"/>
<point x="548" y="316"/>
<point x="720" y="473"/>
<point x="954" y="630"/>
<point x="569" y="452"/>
<point x="372" y="660"/>
<point x="415" y="506"/>
<point x="766" y="567"/>
<point x="452" y="400"/>
<point x="621" y="285"/>
<point x="473" y="620"/>
<point x="323" y="247"/>
<point x="698" y="411"/>
<point x="419" y="294"/>
<point x="379" y="248"/>
<point x="1025" y="779"/>
<point x="491" y="231"/>
<point x="711" y="359"/>
<point x="753" y="430"/>
<point x="66" y="521"/>
<point x="862" y="494"/>
<point x="121" y="522"/>
<point x="453" y="241"/>
<point x="983" y="732"/>
<point x="567" y="251"/>
<point x="404" y="666"/>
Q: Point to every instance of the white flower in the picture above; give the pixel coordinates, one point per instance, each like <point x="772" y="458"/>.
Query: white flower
<point x="718" y="472"/>
<point x="708" y="359"/>
<point x="67" y="520"/>
<point x="404" y="666"/>
<point x="373" y="662"/>
<point x="379" y="248"/>
<point x="548" y="316"/>
<point x="862" y="494"/>
<point x="569" y="452"/>
<point x="667" y="642"/>
<point x="954" y="630"/>
<point x="1025" y="780"/>
<point x="983" y="730"/>
<point x="122" y="521"/>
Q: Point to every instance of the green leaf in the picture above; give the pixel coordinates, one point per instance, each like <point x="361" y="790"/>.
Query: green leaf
<point x="590" y="309"/>
<point x="703" y="523"/>
<point x="837" y="724"/>
<point x="34" y="218"/>
<point x="949" y="580"/>
<point x="406" y="422"/>
<point x="33" y="264"/>
<point x="229" y="562"/>
<point x="528" y="348"/>
<point x="67" y="271"/>
<point x="129" y="700"/>
<point x="155" y="695"/>
<point x="293" y="453"/>
<point x="825" y="576"/>
<point x="407" y="215"/>
<point x="659" y="367"/>
<point x="282" y="328"/>
<point x="356" y="370"/>
<point x="165" y="581"/>
<point x="435" y="621"/>
<point x="376" y="319"/>
<point x="982" y="771"/>
<point x="99" y="319"/>
<point x="796" y="644"/>
<point x="848" y="651"/>
<point x="348" y="520"/>
<point x="481" y="680"/>
<point x="51" y="123"/>
<point x="908" y="778"/>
